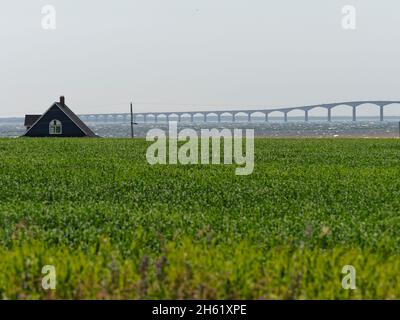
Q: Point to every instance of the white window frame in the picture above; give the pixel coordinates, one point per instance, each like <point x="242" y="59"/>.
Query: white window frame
<point x="55" y="127"/>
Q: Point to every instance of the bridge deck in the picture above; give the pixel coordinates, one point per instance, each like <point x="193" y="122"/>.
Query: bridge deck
<point x="328" y="106"/>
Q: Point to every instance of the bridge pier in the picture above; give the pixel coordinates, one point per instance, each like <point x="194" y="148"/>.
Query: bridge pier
<point x="381" y="113"/>
<point x="249" y="117"/>
<point x="205" y="117"/>
<point x="306" y="115"/>
<point x="285" y="116"/>
<point x="219" y="117"/>
<point x="329" y="114"/>
<point x="266" y="117"/>
<point x="354" y="113"/>
<point x="144" y="118"/>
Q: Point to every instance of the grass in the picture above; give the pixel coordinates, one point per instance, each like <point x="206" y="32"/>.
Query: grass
<point x="115" y="227"/>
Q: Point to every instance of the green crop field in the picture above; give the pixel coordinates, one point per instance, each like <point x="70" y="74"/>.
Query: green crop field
<point x="115" y="227"/>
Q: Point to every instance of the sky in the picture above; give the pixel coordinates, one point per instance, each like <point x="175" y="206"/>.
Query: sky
<point x="176" y="55"/>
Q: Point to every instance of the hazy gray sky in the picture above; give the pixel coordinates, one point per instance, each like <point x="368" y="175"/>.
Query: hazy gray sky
<point x="180" y="54"/>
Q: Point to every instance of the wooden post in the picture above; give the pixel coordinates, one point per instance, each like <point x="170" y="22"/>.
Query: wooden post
<point x="132" y="133"/>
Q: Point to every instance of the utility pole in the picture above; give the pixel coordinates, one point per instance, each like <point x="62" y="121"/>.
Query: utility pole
<point x="132" y="133"/>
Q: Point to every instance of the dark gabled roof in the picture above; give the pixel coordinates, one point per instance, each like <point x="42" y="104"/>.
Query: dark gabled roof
<point x="68" y="112"/>
<point x="30" y="119"/>
<point x="76" y="119"/>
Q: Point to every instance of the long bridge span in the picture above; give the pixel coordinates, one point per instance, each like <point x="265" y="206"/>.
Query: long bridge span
<point x="154" y="117"/>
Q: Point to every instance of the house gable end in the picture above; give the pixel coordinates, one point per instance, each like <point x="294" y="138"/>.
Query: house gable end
<point x="41" y="127"/>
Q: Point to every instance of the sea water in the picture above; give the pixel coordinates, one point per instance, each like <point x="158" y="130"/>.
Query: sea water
<point x="274" y="128"/>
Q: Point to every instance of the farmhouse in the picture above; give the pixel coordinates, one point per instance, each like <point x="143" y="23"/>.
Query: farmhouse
<point x="57" y="121"/>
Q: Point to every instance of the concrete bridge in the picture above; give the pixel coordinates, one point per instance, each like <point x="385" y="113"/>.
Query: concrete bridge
<point x="154" y="117"/>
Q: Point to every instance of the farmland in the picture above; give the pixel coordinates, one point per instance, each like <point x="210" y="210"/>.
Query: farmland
<point x="115" y="227"/>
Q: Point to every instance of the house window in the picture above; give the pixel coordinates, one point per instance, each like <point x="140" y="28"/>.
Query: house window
<point x="55" y="127"/>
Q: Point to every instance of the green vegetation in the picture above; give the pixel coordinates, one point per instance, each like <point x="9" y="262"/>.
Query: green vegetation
<point x="116" y="227"/>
